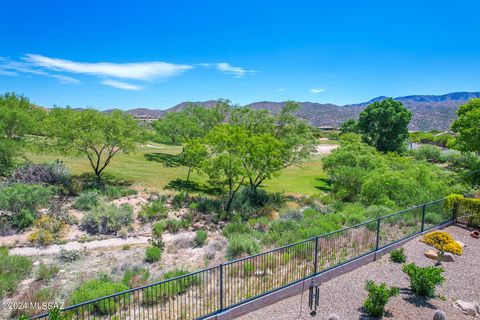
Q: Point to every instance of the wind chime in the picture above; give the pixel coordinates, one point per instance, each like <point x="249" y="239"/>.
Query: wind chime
<point x="313" y="299"/>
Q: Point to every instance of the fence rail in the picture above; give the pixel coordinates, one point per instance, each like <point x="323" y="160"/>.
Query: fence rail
<point x="206" y="292"/>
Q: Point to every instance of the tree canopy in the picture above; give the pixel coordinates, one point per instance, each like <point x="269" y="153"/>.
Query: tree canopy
<point x="384" y="125"/>
<point x="18" y="118"/>
<point x="467" y="126"/>
<point x="96" y="135"/>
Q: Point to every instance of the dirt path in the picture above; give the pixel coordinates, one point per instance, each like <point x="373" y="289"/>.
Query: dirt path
<point x="325" y="149"/>
<point x="75" y="245"/>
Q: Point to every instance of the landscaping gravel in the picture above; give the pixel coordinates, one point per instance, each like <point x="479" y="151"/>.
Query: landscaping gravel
<point x="345" y="294"/>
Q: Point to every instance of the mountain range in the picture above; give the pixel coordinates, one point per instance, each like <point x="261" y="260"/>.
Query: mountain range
<point x="430" y="112"/>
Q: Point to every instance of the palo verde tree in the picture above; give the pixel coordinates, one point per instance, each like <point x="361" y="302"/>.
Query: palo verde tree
<point x="18" y="118"/>
<point x="384" y="125"/>
<point x="193" y="156"/>
<point x="349" y="126"/>
<point x="96" y="135"/>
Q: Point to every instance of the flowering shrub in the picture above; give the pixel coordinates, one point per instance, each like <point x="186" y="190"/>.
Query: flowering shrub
<point x="442" y="241"/>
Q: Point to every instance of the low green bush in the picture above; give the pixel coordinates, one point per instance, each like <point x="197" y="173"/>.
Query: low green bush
<point x="153" y="254"/>
<point x="87" y="200"/>
<point x="427" y="152"/>
<point x="167" y="290"/>
<point x="180" y="200"/>
<point x="97" y="288"/>
<point x="234" y="228"/>
<point x="201" y="237"/>
<point x="23" y="200"/>
<point x="248" y="269"/>
<point x="157" y="229"/>
<point x="423" y="280"/>
<point x="112" y="192"/>
<point x="136" y="277"/>
<point x="47" y="272"/>
<point x="68" y="255"/>
<point x="173" y="225"/>
<point x="378" y="296"/>
<point x="13" y="269"/>
<point x="242" y="244"/>
<point x="107" y="218"/>
<point x="398" y="256"/>
<point x="155" y="210"/>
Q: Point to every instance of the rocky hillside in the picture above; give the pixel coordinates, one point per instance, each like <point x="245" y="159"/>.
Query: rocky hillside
<point x="430" y="112"/>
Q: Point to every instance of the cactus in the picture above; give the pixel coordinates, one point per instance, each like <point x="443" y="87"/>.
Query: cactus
<point x="439" y="315"/>
<point x="333" y="317"/>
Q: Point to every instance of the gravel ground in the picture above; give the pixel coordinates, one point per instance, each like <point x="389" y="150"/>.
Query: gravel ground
<point x="345" y="294"/>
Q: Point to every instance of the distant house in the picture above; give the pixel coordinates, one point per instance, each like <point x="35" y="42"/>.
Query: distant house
<point x="143" y="118"/>
<point x="327" y="128"/>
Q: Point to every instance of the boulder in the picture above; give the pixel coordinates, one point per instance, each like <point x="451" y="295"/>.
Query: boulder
<point x="448" y="257"/>
<point x="460" y="243"/>
<point x="468" y="308"/>
<point x="431" y="254"/>
<point x="36" y="263"/>
<point x="333" y="317"/>
<point x="439" y="315"/>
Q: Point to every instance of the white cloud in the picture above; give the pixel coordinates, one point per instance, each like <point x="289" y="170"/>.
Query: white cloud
<point x="237" y="72"/>
<point x="281" y="89"/>
<point x="121" y="85"/>
<point x="10" y="67"/>
<point x="317" y="90"/>
<point x="137" y="71"/>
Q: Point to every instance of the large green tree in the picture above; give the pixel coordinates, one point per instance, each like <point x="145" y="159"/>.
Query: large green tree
<point x="467" y="127"/>
<point x="96" y="135"/>
<point x="18" y="119"/>
<point x="384" y="125"/>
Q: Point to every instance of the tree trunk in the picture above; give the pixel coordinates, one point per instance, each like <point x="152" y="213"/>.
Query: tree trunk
<point x="189" y="172"/>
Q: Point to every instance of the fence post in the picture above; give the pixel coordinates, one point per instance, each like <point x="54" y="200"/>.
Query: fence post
<point x="221" y="286"/>
<point x="315" y="263"/>
<point x="424" y="208"/>
<point x="378" y="234"/>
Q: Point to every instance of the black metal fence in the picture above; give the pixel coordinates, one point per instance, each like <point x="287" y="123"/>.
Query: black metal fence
<point x="204" y="293"/>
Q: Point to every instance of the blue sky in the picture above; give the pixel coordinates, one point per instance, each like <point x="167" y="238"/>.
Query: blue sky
<point x="155" y="54"/>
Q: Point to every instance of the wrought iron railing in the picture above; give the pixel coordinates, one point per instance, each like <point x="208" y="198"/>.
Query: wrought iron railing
<point x="206" y="292"/>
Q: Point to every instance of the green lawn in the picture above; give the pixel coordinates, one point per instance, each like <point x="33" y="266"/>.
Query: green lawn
<point x="144" y="168"/>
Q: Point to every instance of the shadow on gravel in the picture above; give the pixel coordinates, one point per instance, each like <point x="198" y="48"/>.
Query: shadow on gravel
<point x="365" y="316"/>
<point x="416" y="300"/>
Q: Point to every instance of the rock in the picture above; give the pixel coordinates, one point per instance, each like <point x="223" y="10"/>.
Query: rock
<point x="153" y="197"/>
<point x="439" y="315"/>
<point x="36" y="263"/>
<point x="460" y="243"/>
<point x="333" y="317"/>
<point x="468" y="308"/>
<point x="431" y="254"/>
<point x="448" y="257"/>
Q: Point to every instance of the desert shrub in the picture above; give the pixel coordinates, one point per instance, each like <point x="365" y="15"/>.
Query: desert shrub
<point x="240" y="245"/>
<point x="310" y="213"/>
<point x="87" y="200"/>
<point x="442" y="241"/>
<point x="259" y="224"/>
<point x="97" y="288"/>
<point x="248" y="269"/>
<point x="433" y="218"/>
<point x="114" y="192"/>
<point x="173" y="225"/>
<point x="157" y="229"/>
<point x="68" y="255"/>
<point x="398" y="255"/>
<point x="378" y="296"/>
<point x="136" y="277"/>
<point x="107" y="218"/>
<point x="23" y="200"/>
<point x="180" y="200"/>
<point x="234" y="228"/>
<point x="13" y="269"/>
<point x="167" y="290"/>
<point x="47" y="272"/>
<point x="153" y="254"/>
<point x="206" y="205"/>
<point x="155" y="210"/>
<point x="200" y="238"/>
<point x="46" y="173"/>
<point x="428" y="152"/>
<point x="424" y="280"/>
<point x="35" y="296"/>
<point x="47" y="231"/>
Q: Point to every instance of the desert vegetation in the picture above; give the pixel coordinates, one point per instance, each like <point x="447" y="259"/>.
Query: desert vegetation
<point x="80" y="202"/>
